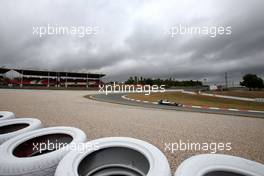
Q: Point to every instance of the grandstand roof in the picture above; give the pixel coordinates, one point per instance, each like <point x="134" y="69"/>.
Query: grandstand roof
<point x="52" y="73"/>
<point x="4" y="70"/>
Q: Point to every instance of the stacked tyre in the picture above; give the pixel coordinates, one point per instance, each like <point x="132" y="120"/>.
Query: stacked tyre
<point x="115" y="156"/>
<point x="6" y="115"/>
<point x="38" y="152"/>
<point x="13" y="127"/>
<point x="219" y="165"/>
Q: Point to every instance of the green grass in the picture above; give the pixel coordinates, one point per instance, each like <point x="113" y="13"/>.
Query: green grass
<point x="199" y="100"/>
<point x="241" y="93"/>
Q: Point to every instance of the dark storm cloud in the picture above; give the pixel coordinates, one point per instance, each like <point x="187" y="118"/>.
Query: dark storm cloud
<point x="132" y="38"/>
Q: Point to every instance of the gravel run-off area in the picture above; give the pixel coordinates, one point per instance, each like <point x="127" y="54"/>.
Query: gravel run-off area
<point x="159" y="127"/>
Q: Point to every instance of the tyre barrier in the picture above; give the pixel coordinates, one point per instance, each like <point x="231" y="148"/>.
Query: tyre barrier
<point x="115" y="156"/>
<point x="219" y="165"/>
<point x="6" y="115"/>
<point x="30" y="153"/>
<point x="13" y="127"/>
<point x="20" y="154"/>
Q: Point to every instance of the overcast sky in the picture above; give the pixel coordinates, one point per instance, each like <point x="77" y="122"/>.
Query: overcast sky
<point x="131" y="40"/>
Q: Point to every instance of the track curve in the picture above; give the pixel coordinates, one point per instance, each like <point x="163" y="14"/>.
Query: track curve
<point x="117" y="98"/>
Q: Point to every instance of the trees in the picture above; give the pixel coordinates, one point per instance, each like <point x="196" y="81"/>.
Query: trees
<point x="167" y="82"/>
<point x="252" y="81"/>
<point x="130" y="81"/>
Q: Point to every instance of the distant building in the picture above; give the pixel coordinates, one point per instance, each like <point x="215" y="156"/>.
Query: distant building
<point x="24" y="77"/>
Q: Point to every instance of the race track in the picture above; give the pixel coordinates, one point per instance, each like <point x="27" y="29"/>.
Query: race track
<point x="117" y="98"/>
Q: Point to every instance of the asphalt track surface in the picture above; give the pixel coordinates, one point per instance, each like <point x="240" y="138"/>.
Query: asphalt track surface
<point x="117" y="98"/>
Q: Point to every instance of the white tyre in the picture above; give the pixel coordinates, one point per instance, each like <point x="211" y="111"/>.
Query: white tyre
<point x="115" y="156"/>
<point x="219" y="165"/>
<point x="6" y="115"/>
<point x="13" y="127"/>
<point x="38" y="152"/>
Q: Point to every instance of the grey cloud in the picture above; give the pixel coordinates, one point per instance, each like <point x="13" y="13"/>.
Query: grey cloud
<point x="131" y="40"/>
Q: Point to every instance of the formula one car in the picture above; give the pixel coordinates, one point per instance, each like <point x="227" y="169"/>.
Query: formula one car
<point x="168" y="103"/>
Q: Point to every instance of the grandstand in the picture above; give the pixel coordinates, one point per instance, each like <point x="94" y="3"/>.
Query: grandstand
<point x="38" y="78"/>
